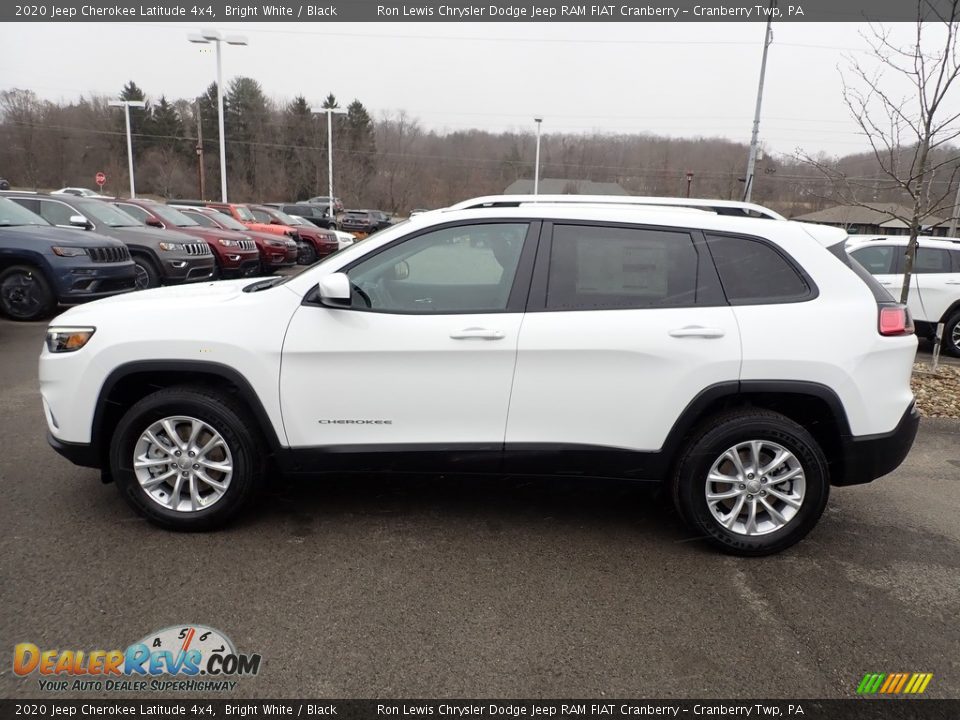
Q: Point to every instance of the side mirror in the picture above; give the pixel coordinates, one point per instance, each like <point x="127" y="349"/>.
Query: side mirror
<point x="153" y="222"/>
<point x="80" y="221"/>
<point x="335" y="289"/>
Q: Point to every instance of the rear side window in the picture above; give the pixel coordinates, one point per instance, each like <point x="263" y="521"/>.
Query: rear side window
<point x="877" y="259"/>
<point x="138" y="212"/>
<point x="200" y="219"/>
<point x="931" y="260"/>
<point x="611" y="268"/>
<point x="754" y="273"/>
<point x="56" y="213"/>
<point x="955" y="254"/>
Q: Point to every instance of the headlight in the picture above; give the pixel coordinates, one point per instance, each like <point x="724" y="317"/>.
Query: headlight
<point x="67" y="339"/>
<point x="278" y="243"/>
<point x="68" y="251"/>
<point x="228" y="243"/>
<point x="172" y="246"/>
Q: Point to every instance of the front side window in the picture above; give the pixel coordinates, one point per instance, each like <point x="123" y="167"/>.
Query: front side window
<point x="138" y="212"/>
<point x="877" y="259"/>
<point x="612" y="268"/>
<point x="261" y="216"/>
<point x="754" y="273"/>
<point x="56" y="213"/>
<point x="464" y="269"/>
<point x="200" y="219"/>
<point x="109" y="215"/>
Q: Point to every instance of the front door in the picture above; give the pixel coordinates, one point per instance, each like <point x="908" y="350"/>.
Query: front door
<point x="423" y="358"/>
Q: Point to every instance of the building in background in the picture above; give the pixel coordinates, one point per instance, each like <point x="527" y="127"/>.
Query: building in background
<point x="874" y="219"/>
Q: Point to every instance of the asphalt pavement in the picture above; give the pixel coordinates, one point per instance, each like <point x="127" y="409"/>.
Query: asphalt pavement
<point x="451" y="587"/>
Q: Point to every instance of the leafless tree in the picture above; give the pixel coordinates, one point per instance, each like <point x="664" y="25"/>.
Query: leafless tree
<point x="909" y="134"/>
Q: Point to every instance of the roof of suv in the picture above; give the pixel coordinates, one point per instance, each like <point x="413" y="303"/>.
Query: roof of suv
<point x="719" y="207"/>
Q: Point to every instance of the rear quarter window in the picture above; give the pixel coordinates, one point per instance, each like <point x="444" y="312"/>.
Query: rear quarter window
<point x="753" y="272"/>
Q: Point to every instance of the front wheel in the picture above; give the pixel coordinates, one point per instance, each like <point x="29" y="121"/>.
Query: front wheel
<point x="25" y="294"/>
<point x="308" y="255"/>
<point x="753" y="482"/>
<point x="146" y="274"/>
<point x="187" y="458"/>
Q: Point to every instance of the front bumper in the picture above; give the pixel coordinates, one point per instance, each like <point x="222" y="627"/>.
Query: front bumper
<point x="869" y="457"/>
<point x="91" y="282"/>
<point x="187" y="268"/>
<point x="82" y="454"/>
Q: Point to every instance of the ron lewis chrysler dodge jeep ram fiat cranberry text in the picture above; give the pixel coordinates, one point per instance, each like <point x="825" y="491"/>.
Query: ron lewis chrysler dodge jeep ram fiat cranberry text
<point x="745" y="362"/>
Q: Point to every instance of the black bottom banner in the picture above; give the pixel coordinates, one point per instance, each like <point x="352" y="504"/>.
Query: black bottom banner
<point x="853" y="709"/>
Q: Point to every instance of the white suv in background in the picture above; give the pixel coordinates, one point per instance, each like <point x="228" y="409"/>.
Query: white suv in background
<point x="746" y="364"/>
<point x="935" y="289"/>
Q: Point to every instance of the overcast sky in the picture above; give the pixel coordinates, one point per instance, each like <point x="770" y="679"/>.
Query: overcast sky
<point x="678" y="79"/>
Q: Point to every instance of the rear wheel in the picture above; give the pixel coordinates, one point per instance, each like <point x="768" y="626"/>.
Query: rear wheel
<point x="951" y="335"/>
<point x="753" y="482"/>
<point x="25" y="294"/>
<point x="147" y="275"/>
<point x="187" y="458"/>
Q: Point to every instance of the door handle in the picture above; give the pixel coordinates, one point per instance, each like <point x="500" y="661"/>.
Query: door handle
<point x="886" y="284"/>
<point x="952" y="282"/>
<point x="697" y="331"/>
<point x="477" y="333"/>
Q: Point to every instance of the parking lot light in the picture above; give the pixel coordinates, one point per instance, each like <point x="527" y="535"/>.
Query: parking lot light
<point x="126" y="105"/>
<point x="536" y="168"/>
<point x="205" y="37"/>
<point x="330" y="113"/>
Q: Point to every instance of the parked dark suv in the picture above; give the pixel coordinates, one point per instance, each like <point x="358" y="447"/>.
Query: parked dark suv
<point x="161" y="256"/>
<point x="42" y="266"/>
<point x="364" y="221"/>
<point x="315" y="214"/>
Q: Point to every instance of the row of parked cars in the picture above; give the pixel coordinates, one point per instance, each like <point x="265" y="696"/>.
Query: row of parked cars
<point x="67" y="248"/>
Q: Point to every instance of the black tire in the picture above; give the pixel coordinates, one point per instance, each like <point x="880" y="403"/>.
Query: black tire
<point x="720" y="433"/>
<point x="147" y="275"/>
<point x="217" y="273"/>
<point x="219" y="410"/>
<point x="25" y="294"/>
<point x="950" y="342"/>
<point x="308" y="255"/>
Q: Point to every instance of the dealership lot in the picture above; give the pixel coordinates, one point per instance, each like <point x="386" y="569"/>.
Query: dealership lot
<point x="452" y="587"/>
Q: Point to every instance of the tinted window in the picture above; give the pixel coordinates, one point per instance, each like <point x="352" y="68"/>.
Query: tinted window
<point x="877" y="259"/>
<point x="56" y="213"/>
<point x="12" y="213"/>
<point x="107" y="214"/>
<point x="931" y="260"/>
<point x="753" y="272"/>
<point x="467" y="269"/>
<point x="604" y="267"/>
<point x="261" y="216"/>
<point x="955" y="254"/>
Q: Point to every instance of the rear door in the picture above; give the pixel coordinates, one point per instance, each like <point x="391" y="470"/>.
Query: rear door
<point x="626" y="325"/>
<point x="885" y="263"/>
<point x="937" y="275"/>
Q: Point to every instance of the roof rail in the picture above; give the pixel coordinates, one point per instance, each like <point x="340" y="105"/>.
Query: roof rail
<point x="720" y="207"/>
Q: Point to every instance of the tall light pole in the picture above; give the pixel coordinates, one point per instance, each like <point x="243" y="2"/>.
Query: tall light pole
<point x="126" y="105"/>
<point x="206" y="37"/>
<point x="330" y="113"/>
<point x="536" y="164"/>
<point x="752" y="161"/>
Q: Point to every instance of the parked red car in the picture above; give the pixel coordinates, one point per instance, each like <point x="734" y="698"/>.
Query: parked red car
<point x="320" y="242"/>
<point x="241" y="214"/>
<point x="276" y="251"/>
<point x="236" y="255"/>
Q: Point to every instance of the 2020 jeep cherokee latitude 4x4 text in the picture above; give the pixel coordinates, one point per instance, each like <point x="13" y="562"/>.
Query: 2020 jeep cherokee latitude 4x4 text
<point x="747" y="363"/>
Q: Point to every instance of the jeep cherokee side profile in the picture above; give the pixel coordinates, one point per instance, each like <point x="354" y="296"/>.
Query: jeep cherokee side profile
<point x="745" y="364"/>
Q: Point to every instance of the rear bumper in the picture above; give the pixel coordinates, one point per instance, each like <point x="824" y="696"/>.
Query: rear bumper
<point x="82" y="454"/>
<point x="869" y="457"/>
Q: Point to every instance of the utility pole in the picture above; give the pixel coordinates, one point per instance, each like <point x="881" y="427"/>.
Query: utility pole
<point x="200" y="170"/>
<point x="689" y="181"/>
<point x="536" y="169"/>
<point x="952" y="232"/>
<point x="752" y="161"/>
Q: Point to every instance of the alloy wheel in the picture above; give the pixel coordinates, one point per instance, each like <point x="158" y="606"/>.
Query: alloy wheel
<point x="183" y="464"/>
<point x="755" y="487"/>
<point x="21" y="295"/>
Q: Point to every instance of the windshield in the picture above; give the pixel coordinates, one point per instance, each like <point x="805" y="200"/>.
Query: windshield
<point x="108" y="215"/>
<point x="12" y="214"/>
<point x="173" y="216"/>
<point x="245" y="214"/>
<point x="229" y="222"/>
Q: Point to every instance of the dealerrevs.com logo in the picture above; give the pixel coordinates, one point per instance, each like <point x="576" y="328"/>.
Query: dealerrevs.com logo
<point x="186" y="658"/>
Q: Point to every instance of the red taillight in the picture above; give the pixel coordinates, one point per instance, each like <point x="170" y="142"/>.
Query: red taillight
<point x="895" y="320"/>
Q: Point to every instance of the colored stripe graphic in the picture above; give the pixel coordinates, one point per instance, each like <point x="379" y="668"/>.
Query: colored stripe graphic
<point x="894" y="683"/>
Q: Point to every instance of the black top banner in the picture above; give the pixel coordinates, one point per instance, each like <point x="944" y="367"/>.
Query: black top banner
<point x="199" y="11"/>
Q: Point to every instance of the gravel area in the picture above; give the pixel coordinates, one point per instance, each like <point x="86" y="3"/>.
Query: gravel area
<point x="938" y="394"/>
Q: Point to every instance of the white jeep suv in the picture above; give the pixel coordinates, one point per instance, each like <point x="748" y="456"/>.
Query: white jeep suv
<point x="747" y="364"/>
<point x="935" y="287"/>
